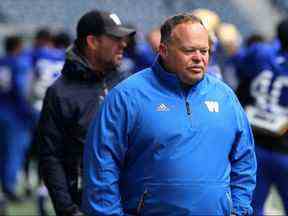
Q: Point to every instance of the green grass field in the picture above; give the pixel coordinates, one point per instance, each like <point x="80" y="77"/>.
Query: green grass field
<point x="27" y="208"/>
<point x="274" y="204"/>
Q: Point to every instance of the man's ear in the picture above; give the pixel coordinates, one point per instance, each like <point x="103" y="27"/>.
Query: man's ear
<point x="163" y="50"/>
<point x="92" y="42"/>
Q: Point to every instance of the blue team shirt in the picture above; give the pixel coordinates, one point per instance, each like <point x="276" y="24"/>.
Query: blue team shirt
<point x="47" y="63"/>
<point x="265" y="66"/>
<point x="15" y="83"/>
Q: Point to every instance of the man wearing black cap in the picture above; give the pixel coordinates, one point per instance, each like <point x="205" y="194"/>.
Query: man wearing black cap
<point x="72" y="101"/>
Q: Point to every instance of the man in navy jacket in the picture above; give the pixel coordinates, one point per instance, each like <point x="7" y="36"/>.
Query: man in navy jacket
<point x="71" y="102"/>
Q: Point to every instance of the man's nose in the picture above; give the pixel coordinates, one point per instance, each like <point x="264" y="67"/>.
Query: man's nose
<point x="196" y="55"/>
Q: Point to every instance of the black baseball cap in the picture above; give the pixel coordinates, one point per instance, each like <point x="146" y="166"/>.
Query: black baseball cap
<point x="98" y="23"/>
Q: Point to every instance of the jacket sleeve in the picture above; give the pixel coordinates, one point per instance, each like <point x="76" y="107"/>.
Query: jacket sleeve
<point x="49" y="138"/>
<point x="104" y="155"/>
<point x="243" y="165"/>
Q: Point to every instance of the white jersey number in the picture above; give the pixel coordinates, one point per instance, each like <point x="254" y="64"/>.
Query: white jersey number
<point x="267" y="93"/>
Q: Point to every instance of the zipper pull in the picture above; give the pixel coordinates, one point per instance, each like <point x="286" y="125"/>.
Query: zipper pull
<point x="188" y="108"/>
<point x="141" y="203"/>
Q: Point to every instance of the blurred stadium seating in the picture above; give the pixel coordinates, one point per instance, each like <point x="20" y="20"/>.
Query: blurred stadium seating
<point x="65" y="13"/>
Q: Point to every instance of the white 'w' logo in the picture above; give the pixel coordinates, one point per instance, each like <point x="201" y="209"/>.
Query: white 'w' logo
<point x="212" y="106"/>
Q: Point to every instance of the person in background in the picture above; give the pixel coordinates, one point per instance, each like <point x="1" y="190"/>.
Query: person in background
<point x="61" y="40"/>
<point x="229" y="43"/>
<point x="264" y="66"/>
<point x="243" y="87"/>
<point x="48" y="54"/>
<point x="48" y="63"/>
<point x="253" y="39"/>
<point x="138" y="54"/>
<point x="171" y="139"/>
<point x="211" y="21"/>
<point x="42" y="40"/>
<point x="153" y="38"/>
<point x="71" y="102"/>
<point x="16" y="115"/>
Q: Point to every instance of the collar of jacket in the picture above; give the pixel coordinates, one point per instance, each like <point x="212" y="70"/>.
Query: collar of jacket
<point x="172" y="82"/>
<point x="77" y="67"/>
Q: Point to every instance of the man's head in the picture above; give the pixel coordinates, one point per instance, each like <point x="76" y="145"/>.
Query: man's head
<point x="254" y="38"/>
<point x="282" y="33"/>
<point x="43" y="38"/>
<point x="185" y="47"/>
<point x="229" y="37"/>
<point x="13" y="44"/>
<point x="61" y="40"/>
<point x="102" y="38"/>
<point x="153" y="38"/>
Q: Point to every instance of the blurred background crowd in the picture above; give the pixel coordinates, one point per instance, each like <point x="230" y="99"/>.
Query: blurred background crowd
<point x="34" y="36"/>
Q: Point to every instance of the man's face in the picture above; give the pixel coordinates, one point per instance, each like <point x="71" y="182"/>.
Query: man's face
<point x="187" y="53"/>
<point x="110" y="51"/>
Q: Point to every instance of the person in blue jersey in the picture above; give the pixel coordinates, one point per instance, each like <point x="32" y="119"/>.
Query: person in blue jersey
<point x="61" y="40"/>
<point x="229" y="43"/>
<point x="264" y="69"/>
<point x="211" y="21"/>
<point x="48" y="55"/>
<point x="139" y="54"/>
<point x="16" y="114"/>
<point x="90" y="70"/>
<point x="171" y="139"/>
<point x="48" y="63"/>
<point x="43" y="38"/>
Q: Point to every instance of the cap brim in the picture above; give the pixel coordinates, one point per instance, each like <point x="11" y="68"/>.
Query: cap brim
<point x="120" y="31"/>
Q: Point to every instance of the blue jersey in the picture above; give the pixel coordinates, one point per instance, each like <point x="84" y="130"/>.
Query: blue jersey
<point x="263" y="68"/>
<point x="141" y="57"/>
<point x="48" y="63"/>
<point x="15" y="80"/>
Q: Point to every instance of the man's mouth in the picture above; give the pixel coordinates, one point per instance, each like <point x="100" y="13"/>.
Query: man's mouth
<point x="197" y="69"/>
